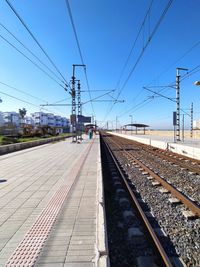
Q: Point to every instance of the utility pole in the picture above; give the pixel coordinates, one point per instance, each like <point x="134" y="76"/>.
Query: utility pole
<point x="73" y="116"/>
<point x="191" y="122"/>
<point x="116" y="124"/>
<point x="131" y="123"/>
<point x="73" y="94"/>
<point x="178" y="102"/>
<point x="79" y="136"/>
<point x="183" y="128"/>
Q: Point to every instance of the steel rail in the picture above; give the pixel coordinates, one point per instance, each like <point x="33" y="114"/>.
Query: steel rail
<point x="142" y="215"/>
<point x="170" y="156"/>
<point x="184" y="199"/>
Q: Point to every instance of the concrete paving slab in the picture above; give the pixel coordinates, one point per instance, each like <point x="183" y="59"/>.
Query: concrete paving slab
<point x="31" y="183"/>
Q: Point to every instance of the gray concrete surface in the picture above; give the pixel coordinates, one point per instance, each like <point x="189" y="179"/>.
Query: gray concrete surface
<point x="28" y="181"/>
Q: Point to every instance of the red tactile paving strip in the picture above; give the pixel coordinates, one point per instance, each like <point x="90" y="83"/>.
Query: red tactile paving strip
<point x="29" y="248"/>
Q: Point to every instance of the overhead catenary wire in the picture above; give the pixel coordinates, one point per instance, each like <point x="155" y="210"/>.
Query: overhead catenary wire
<point x="35" y="39"/>
<point x="177" y="60"/>
<point x="34" y="63"/>
<point x="21" y="91"/>
<point x="24" y="101"/>
<point x="79" y="49"/>
<point x="134" y="44"/>
<point x="130" y="53"/>
<point x="143" y="50"/>
<point x="172" y="84"/>
<point x="27" y="49"/>
<point x="146" y="45"/>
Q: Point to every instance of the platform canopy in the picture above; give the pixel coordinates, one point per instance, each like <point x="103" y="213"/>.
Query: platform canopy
<point x="90" y="125"/>
<point x="137" y="125"/>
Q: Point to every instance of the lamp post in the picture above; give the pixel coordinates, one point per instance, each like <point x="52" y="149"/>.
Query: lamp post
<point x="131" y="123"/>
<point x="197" y="83"/>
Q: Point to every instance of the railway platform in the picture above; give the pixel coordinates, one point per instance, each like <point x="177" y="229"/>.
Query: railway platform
<point x="190" y="147"/>
<point x="52" y="207"/>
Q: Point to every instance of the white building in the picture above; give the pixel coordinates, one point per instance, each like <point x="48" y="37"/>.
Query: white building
<point x="64" y="122"/>
<point x="11" y="117"/>
<point x="58" y="122"/>
<point x="51" y="120"/>
<point x="1" y="119"/>
<point x="29" y="120"/>
<point x="196" y="125"/>
<point x="36" y="119"/>
<point x="40" y="118"/>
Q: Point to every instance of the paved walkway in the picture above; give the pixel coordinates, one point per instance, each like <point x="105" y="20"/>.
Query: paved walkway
<point x="30" y="181"/>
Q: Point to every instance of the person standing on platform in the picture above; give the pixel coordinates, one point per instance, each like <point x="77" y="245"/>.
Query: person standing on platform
<point x="90" y="133"/>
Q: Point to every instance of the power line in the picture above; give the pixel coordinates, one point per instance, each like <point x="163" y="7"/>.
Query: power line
<point x="130" y="53"/>
<point x="19" y="99"/>
<point x="34" y="63"/>
<point x="79" y="49"/>
<point x="5" y="28"/>
<point x="191" y="72"/>
<point x="185" y="76"/>
<point x="24" y="101"/>
<point x="143" y="49"/>
<point x="18" y="90"/>
<point x="146" y="45"/>
<point x="34" y="38"/>
<point x="135" y="41"/>
<point x="176" y="61"/>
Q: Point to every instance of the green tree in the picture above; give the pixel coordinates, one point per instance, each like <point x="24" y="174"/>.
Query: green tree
<point x="22" y="113"/>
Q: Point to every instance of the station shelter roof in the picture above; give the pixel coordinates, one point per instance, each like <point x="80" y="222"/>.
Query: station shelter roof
<point x="138" y="125"/>
<point x="90" y="125"/>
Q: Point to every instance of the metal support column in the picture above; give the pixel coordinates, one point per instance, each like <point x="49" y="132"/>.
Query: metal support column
<point x="79" y="135"/>
<point x="191" y="123"/>
<point x="73" y="119"/>
<point x="178" y="103"/>
<point x="183" y="126"/>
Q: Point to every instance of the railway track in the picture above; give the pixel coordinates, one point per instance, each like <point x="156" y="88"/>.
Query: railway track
<point x="184" y="162"/>
<point x="140" y="232"/>
<point x="178" y="176"/>
<point x="154" y="188"/>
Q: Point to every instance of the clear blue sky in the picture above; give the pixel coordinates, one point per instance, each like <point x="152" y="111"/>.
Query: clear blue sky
<point x="106" y="30"/>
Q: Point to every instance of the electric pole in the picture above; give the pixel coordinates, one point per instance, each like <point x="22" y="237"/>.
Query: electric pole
<point x="79" y="112"/>
<point x="73" y="94"/>
<point x="183" y="128"/>
<point x="73" y="116"/>
<point x="178" y="103"/>
<point x="116" y="124"/>
<point x="191" y="122"/>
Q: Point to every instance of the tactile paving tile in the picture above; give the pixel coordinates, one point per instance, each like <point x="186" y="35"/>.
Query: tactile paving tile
<point x="30" y="247"/>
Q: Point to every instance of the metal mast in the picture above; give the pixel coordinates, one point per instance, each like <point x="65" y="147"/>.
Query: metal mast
<point x="79" y="112"/>
<point x="178" y="103"/>
<point x="191" y="125"/>
<point x="73" y="116"/>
